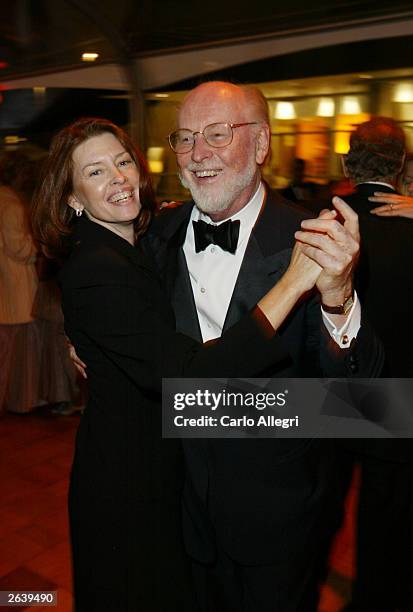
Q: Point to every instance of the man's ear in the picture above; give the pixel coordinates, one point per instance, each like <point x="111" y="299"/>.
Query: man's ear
<point x="402" y="163"/>
<point x="343" y="159"/>
<point x="262" y="143"/>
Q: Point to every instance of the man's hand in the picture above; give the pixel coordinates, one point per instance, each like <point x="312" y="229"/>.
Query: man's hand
<point x="335" y="247"/>
<point x="395" y="205"/>
<point x="77" y="362"/>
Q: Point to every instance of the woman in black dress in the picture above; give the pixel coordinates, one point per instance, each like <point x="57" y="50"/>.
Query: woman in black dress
<point x="93" y="204"/>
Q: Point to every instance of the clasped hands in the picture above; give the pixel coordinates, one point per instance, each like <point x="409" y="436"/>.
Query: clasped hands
<point x="333" y="247"/>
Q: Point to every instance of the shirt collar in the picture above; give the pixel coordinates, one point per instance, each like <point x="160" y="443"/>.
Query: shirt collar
<point x="376" y="183"/>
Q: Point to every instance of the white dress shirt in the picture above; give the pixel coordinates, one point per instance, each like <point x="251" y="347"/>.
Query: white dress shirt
<point x="213" y="273"/>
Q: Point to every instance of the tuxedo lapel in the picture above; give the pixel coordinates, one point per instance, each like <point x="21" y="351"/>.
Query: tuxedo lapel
<point x="182" y="299"/>
<point x="266" y="258"/>
<point x="168" y="236"/>
<point x="256" y="277"/>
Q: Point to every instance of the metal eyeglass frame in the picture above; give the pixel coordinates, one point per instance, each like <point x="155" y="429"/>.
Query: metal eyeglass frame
<point x="230" y="125"/>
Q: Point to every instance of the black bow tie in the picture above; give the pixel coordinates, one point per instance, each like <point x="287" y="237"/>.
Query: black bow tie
<point x="224" y="235"/>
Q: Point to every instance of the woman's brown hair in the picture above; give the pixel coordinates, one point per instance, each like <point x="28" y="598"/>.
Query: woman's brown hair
<point x="52" y="218"/>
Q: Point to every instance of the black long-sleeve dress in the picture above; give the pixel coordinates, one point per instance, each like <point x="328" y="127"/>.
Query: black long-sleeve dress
<point x="124" y="498"/>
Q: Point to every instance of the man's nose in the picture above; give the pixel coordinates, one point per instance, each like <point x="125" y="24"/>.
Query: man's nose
<point x="202" y="150"/>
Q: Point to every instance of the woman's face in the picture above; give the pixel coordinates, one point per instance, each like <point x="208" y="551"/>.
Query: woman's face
<point x="106" y="183"/>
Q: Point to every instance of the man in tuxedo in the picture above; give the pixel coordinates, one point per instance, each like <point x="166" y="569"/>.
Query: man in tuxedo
<point x="384" y="283"/>
<point x="258" y="513"/>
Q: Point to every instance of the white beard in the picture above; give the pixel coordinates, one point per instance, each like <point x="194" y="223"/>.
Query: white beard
<point x="212" y="199"/>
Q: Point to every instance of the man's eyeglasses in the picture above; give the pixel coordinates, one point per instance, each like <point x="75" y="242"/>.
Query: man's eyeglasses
<point x="216" y="135"/>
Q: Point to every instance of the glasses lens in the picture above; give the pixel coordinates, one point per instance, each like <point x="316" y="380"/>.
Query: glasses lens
<point x="181" y="141"/>
<point x="218" y="134"/>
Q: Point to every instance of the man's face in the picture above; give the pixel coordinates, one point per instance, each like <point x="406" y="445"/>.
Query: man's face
<point x="406" y="181"/>
<point x="221" y="180"/>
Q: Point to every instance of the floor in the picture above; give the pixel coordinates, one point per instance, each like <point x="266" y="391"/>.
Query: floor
<point x="35" y="458"/>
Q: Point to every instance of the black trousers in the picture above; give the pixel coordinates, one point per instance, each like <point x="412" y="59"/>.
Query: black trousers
<point x="228" y="586"/>
<point x="384" y="555"/>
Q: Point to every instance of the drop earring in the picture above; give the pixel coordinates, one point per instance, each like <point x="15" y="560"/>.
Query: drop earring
<point x="79" y="212"/>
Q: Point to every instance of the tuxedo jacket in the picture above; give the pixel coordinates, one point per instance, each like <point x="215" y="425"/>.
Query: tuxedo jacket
<point x="260" y="500"/>
<point x="384" y="283"/>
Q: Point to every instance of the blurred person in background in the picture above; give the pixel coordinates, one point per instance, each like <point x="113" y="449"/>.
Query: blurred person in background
<point x="394" y="204"/>
<point x="58" y="384"/>
<point x="20" y="344"/>
<point x="384" y="283"/>
<point x="301" y="191"/>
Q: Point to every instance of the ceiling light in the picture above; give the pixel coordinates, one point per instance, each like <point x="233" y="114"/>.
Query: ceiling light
<point x="284" y="110"/>
<point x="12" y="139"/>
<point x="350" y="106"/>
<point x="155" y="153"/>
<point x="155" y="166"/>
<point x="89" y="57"/>
<point x="326" y="107"/>
<point x="403" y="92"/>
<point x="161" y="95"/>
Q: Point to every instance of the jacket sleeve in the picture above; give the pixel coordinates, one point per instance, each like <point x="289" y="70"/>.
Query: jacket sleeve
<point x="363" y="359"/>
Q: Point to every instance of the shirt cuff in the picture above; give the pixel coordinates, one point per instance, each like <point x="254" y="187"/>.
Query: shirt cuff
<point x="347" y="332"/>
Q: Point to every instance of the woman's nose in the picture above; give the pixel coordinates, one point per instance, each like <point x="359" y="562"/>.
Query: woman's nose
<point x="118" y="176"/>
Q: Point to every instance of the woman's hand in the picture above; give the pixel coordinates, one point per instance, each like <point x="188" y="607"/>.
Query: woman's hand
<point x="395" y="205"/>
<point x="77" y="362"/>
<point x="303" y="272"/>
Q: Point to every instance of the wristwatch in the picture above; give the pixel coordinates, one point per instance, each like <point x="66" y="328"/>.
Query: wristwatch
<point x="341" y="309"/>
